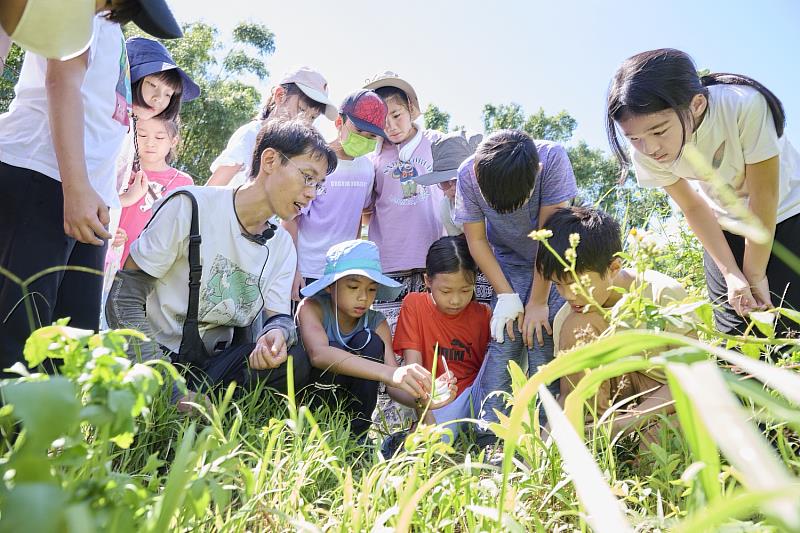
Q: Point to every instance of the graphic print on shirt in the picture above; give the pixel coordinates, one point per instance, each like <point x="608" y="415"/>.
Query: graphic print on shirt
<point x="155" y="191"/>
<point x="123" y="92"/>
<point x="412" y="192"/>
<point x="229" y="295"/>
<point x="458" y="351"/>
<point x="734" y="184"/>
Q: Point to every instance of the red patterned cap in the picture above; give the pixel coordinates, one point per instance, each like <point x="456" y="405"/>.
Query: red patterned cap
<point x="366" y="110"/>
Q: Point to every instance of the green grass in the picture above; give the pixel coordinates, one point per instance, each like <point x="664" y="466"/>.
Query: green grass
<point x="100" y="448"/>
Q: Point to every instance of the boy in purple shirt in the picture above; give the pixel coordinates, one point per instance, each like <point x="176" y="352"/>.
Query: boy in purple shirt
<point x="506" y="190"/>
<point x="336" y="216"/>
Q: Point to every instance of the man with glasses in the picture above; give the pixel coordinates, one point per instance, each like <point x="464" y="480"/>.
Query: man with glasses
<point x="246" y="265"/>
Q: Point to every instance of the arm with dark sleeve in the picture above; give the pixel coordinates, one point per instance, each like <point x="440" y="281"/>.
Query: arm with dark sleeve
<point x="152" y="254"/>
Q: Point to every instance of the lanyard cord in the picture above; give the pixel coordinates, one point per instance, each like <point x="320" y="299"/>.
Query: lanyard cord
<point x="136" y="166"/>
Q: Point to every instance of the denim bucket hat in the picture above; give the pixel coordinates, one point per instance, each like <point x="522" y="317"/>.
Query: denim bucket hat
<point x="147" y="56"/>
<point x="356" y="257"/>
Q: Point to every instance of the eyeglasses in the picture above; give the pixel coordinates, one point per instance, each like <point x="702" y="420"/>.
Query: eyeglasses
<point x="447" y="185"/>
<point x="308" y="179"/>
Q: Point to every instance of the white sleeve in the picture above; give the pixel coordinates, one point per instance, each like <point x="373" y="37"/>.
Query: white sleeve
<point x="239" y="150"/>
<point x="757" y="130"/>
<point x="165" y="237"/>
<point x="279" y="287"/>
<point x="649" y="174"/>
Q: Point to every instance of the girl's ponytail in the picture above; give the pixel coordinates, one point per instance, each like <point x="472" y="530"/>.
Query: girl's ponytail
<point x="775" y="105"/>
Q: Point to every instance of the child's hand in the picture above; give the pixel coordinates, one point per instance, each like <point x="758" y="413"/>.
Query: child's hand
<point x="270" y="351"/>
<point x="507" y="309"/>
<point x="413" y="379"/>
<point x="536" y="317"/>
<point x="446" y="380"/>
<point x="137" y="188"/>
<point x="760" y="291"/>
<point x="739" y="295"/>
<point x="120" y="238"/>
<point x="298" y="284"/>
<point x="85" y="215"/>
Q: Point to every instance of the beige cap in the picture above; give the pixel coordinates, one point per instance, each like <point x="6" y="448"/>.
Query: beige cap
<point x="392" y="79"/>
<point x="314" y="85"/>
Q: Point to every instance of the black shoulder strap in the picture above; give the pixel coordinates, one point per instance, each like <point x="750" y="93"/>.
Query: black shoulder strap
<point x="192" y="349"/>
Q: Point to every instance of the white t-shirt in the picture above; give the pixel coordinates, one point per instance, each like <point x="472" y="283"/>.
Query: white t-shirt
<point x="25" y="138"/>
<point x="446" y="212"/>
<point x="334" y="217"/>
<point x="239" y="276"/>
<point x="737" y="130"/>
<point x="239" y="151"/>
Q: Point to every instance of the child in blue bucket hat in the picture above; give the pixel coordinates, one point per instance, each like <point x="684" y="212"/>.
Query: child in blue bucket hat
<point x="349" y="344"/>
<point x="157" y="83"/>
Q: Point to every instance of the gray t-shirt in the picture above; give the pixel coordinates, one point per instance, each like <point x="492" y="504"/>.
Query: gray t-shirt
<point x="508" y="233"/>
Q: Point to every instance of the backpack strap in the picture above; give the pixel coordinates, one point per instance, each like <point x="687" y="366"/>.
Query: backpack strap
<point x="192" y="349"/>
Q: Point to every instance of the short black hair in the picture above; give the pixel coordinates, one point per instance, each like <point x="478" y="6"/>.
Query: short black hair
<point x="506" y="167"/>
<point x="292" y="138"/>
<point x="387" y="93"/>
<point x="171" y="78"/>
<point x="600" y="241"/>
<point x="122" y="11"/>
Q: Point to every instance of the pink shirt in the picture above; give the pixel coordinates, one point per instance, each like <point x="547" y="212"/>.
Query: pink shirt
<point x="405" y="218"/>
<point x="135" y="217"/>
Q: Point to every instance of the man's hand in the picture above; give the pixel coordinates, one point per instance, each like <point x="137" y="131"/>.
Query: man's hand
<point x="536" y="317"/>
<point x="270" y="351"/>
<point x="413" y="379"/>
<point x="507" y="309"/>
<point x="85" y="215"/>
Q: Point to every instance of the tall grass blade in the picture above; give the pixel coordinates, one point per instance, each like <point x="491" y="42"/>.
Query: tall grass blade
<point x="737" y="438"/>
<point x="602" y="509"/>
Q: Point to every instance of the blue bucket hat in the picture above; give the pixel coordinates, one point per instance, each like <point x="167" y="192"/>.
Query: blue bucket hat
<point x="150" y="57"/>
<point x="356" y="257"/>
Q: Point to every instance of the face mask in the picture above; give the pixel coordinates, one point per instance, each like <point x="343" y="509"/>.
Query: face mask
<point x="49" y="29"/>
<point x="357" y="145"/>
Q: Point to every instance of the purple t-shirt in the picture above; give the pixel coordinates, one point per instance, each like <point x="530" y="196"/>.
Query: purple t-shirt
<point x="508" y="233"/>
<point x="335" y="216"/>
<point x="405" y="218"/>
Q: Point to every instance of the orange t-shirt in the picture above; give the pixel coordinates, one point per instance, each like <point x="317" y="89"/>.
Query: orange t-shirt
<point x="462" y="338"/>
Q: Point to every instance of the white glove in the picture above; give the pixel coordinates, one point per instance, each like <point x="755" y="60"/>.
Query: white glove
<point x="508" y="307"/>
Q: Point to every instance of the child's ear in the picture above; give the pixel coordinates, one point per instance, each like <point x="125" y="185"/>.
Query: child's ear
<point x="614" y="267"/>
<point x="698" y="105"/>
<point x="278" y="94"/>
<point x="338" y="122"/>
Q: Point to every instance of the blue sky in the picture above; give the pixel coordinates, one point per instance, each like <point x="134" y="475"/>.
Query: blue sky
<point x="556" y="55"/>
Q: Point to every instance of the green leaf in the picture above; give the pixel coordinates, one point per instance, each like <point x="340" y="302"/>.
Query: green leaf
<point x="123" y="440"/>
<point x="47" y="409"/>
<point x="32" y="507"/>
<point x="765" y="322"/>
<point x="791" y="314"/>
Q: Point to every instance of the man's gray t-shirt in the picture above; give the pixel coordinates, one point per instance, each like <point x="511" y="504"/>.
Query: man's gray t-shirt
<point x="508" y="233"/>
